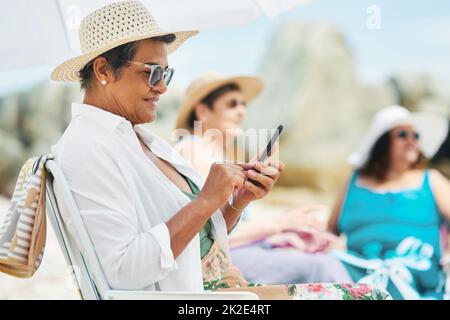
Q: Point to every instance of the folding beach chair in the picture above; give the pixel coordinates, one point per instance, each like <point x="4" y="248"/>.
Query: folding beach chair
<point x="80" y="255"/>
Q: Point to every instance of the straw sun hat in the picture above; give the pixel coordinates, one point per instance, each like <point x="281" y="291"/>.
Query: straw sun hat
<point x="110" y="27"/>
<point x="250" y="88"/>
<point x="432" y="129"/>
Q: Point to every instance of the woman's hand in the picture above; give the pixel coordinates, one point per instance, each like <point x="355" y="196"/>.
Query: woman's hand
<point x="304" y="218"/>
<point x="260" y="179"/>
<point x="302" y="229"/>
<point x="223" y="179"/>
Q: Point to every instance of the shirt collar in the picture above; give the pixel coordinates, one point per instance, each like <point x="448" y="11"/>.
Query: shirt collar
<point x="106" y="118"/>
<point x="158" y="146"/>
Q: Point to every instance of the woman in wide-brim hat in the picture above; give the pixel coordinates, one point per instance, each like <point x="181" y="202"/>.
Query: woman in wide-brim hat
<point x="211" y="115"/>
<point x="249" y="87"/>
<point x="392" y="206"/>
<point x="129" y="185"/>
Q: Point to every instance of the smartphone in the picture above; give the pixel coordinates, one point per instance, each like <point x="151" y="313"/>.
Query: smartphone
<point x="264" y="155"/>
<point x="268" y="148"/>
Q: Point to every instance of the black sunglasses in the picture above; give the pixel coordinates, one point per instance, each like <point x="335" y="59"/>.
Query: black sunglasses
<point x="157" y="73"/>
<point x="233" y="103"/>
<point x="403" y="134"/>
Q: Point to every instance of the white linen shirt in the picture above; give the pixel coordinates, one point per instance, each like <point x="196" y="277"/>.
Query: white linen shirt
<point x="125" y="200"/>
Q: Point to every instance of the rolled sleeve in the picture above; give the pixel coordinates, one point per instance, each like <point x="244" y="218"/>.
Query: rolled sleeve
<point x="162" y="236"/>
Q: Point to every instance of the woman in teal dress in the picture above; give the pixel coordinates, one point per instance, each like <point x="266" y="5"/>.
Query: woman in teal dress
<point x="391" y="208"/>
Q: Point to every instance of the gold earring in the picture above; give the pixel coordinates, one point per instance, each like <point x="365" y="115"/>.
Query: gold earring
<point x="103" y="82"/>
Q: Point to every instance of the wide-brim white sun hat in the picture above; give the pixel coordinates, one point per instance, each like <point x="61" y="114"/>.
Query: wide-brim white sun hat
<point x="109" y="27"/>
<point x="432" y="128"/>
<point x="250" y="87"/>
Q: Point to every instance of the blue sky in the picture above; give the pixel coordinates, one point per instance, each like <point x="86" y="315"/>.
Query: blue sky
<point x="414" y="37"/>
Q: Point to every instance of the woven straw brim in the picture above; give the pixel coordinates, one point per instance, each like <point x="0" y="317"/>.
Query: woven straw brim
<point x="69" y="70"/>
<point x="250" y="88"/>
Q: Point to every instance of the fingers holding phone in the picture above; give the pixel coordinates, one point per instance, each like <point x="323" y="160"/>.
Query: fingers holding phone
<point x="264" y="174"/>
<point x="259" y="180"/>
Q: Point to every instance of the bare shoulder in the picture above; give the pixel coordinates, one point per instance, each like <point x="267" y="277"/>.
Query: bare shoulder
<point x="364" y="181"/>
<point x="440" y="186"/>
<point x="438" y="181"/>
<point x="347" y="180"/>
<point x="337" y="207"/>
<point x="436" y="175"/>
<point x="343" y="189"/>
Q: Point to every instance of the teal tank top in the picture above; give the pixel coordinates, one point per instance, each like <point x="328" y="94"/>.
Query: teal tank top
<point x="375" y="224"/>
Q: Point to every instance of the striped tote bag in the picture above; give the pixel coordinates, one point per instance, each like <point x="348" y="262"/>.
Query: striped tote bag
<point x="23" y="231"/>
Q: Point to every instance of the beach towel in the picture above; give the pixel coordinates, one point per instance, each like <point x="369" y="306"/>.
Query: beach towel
<point x="23" y="231"/>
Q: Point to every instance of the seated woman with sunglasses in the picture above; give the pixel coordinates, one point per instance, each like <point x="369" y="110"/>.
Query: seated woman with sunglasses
<point x="215" y="106"/>
<point x="129" y="184"/>
<point x="391" y="208"/>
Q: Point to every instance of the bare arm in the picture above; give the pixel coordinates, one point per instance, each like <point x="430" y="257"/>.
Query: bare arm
<point x="184" y="225"/>
<point x="440" y="186"/>
<point x="232" y="215"/>
<point x="252" y="231"/>
<point x="336" y="211"/>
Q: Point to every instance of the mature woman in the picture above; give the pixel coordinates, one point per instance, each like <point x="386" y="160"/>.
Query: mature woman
<point x="391" y="208"/>
<point x="217" y="104"/>
<point x="131" y="188"/>
<point x="128" y="184"/>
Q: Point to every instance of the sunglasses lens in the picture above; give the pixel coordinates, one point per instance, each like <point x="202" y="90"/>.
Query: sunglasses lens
<point x="403" y="134"/>
<point x="234" y="103"/>
<point x="156" y="75"/>
<point x="168" y="76"/>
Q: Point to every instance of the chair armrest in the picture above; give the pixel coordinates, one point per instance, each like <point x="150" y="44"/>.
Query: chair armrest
<point x="158" y="295"/>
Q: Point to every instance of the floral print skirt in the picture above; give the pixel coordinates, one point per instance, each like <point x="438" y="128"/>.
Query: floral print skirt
<point x="220" y="275"/>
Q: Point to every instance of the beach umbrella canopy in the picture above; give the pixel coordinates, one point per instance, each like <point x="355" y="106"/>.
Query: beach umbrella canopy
<point x="46" y="31"/>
